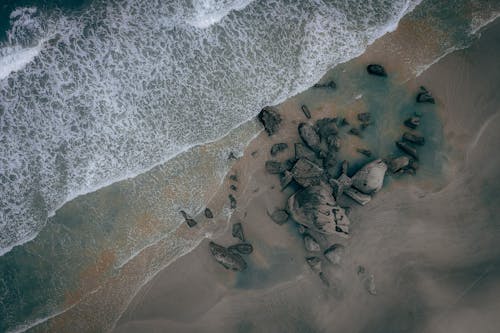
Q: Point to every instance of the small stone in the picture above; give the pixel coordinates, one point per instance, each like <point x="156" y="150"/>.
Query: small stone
<point x="335" y="253"/>
<point x="232" y="156"/>
<point x="208" y="213"/>
<point x="301" y="228"/>
<point x="413" y="138"/>
<point x="407" y="149"/>
<point x="355" y="131"/>
<point x="237" y="231"/>
<point x="279" y="216"/>
<point x="274" y="167"/>
<point x="232" y="201"/>
<point x="310" y="243"/>
<point x="329" y="84"/>
<point x="376" y="69"/>
<point x="343" y="122"/>
<point x="398" y="163"/>
<point x="243" y="248"/>
<point x="306" y="111"/>
<point x="227" y="259"/>
<point x="365" y="152"/>
<point x="234" y="178"/>
<point x="277" y="148"/>
<point x="190" y="222"/>
<point x="270" y="118"/>
<point x="233" y="187"/>
<point x="424" y="96"/>
<point x="412" y="122"/>
<point x="364" y="117"/>
<point x="314" y="263"/>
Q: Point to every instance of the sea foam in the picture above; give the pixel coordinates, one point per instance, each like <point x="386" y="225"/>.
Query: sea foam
<point x="91" y="98"/>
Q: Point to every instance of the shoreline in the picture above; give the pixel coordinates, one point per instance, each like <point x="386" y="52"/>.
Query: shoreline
<point x="191" y="257"/>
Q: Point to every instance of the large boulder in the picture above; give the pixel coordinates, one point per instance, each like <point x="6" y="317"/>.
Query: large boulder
<point x="376" y="69"/>
<point x="425" y="96"/>
<point x="316" y="208"/>
<point x="227" y="258"/>
<point x="270" y="118"/>
<point x="310" y="137"/>
<point x="306" y="173"/>
<point x="370" y="178"/>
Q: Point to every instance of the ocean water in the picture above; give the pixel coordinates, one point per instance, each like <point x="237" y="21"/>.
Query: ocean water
<point x="150" y="97"/>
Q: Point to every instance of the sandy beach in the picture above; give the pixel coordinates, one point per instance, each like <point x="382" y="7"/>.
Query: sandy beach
<point x="429" y="240"/>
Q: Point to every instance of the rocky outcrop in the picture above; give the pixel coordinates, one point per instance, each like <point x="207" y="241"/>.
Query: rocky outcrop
<point x="270" y="118"/>
<point x="316" y="208"/>
<point x="309" y="136"/>
<point x="306" y="173"/>
<point x="376" y="69"/>
<point x="226" y="258"/>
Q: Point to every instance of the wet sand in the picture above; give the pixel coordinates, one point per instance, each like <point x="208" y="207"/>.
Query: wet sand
<point x="430" y="241"/>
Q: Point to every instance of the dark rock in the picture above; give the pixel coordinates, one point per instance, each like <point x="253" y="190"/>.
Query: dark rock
<point x="412" y="122"/>
<point x="306" y="111"/>
<point x="375" y="69"/>
<point x="301" y="151"/>
<point x="227" y="259"/>
<point x="406" y="148"/>
<point x="335" y="253"/>
<point x="365" y="152"/>
<point x="232" y="156"/>
<point x="277" y="148"/>
<point x="233" y="187"/>
<point x="301" y="228"/>
<point x="279" y="216"/>
<point x="413" y="138"/>
<point x="309" y="136"/>
<point x="234" y="178"/>
<point x="330" y="163"/>
<point x="307" y="173"/>
<point x="326" y="128"/>
<point x="190" y="222"/>
<point x="314" y="263"/>
<point x="274" y="167"/>
<point x="343" y="122"/>
<point x="355" y="131"/>
<point x="243" y="248"/>
<point x="232" y="201"/>
<point x="237" y="231"/>
<point x="311" y="244"/>
<point x="399" y="163"/>
<point x="271" y="119"/>
<point x="329" y="84"/>
<point x="365" y="117"/>
<point x="289" y="163"/>
<point x="345" y="166"/>
<point x="333" y="143"/>
<point x="424" y="96"/>
<point x="285" y="179"/>
<point x="208" y="213"/>
<point x="413" y="165"/>
<point x="316" y="208"/>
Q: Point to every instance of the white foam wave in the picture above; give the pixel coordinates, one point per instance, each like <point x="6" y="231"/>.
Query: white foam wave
<point x="114" y="93"/>
<point x="209" y="12"/>
<point x="15" y="58"/>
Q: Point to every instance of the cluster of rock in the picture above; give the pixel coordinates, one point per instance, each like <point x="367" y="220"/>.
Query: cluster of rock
<point x="231" y="257"/>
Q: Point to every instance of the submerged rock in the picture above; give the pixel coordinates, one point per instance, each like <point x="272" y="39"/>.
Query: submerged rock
<point x="406" y="148"/>
<point x="278" y="147"/>
<point x="306" y="173"/>
<point x="370" y="178"/>
<point x="412" y="122"/>
<point x="274" y="167"/>
<point x="270" y="118"/>
<point x="233" y="187"/>
<point x="330" y="84"/>
<point x="311" y="244"/>
<point x="309" y="136"/>
<point x="365" y="152"/>
<point x="355" y="131"/>
<point x="323" y="279"/>
<point x="376" y="69"/>
<point x="279" y="216"/>
<point x="232" y="201"/>
<point x="314" y="263"/>
<point x="316" y="208"/>
<point x="424" y="96"/>
<point x="306" y="111"/>
<point x="190" y="222"/>
<point x="413" y="138"/>
<point x="237" y="231"/>
<point x="227" y="259"/>
<point x="364" y="117"/>
<point x="208" y="213"/>
<point x="243" y="248"/>
<point x="335" y="253"/>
